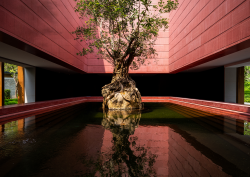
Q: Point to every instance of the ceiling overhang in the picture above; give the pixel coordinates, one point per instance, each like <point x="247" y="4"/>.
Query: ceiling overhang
<point x="236" y="59"/>
<point x="18" y="52"/>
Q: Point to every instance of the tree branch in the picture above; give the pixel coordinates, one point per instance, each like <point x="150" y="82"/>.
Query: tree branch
<point x="110" y="53"/>
<point x="102" y="36"/>
<point x="129" y="60"/>
<point x="125" y="36"/>
<point x="128" y="48"/>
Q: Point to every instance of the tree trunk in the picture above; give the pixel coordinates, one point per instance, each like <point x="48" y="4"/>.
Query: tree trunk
<point x="16" y="89"/>
<point x="121" y="93"/>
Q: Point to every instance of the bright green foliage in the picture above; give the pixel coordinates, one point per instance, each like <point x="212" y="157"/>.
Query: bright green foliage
<point x="12" y="69"/>
<point x="122" y="30"/>
<point x="247" y="73"/>
<point x="10" y="101"/>
<point x="247" y="84"/>
<point x="247" y="92"/>
<point x="7" y="93"/>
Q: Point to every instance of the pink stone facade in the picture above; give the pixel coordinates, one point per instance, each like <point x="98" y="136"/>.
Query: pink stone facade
<point x="45" y="25"/>
<point x="198" y="30"/>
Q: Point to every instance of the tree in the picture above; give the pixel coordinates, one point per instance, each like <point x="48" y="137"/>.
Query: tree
<point x="12" y="69"/>
<point x="247" y="77"/>
<point x="247" y="73"/>
<point x="126" y="157"/>
<point x="123" y="32"/>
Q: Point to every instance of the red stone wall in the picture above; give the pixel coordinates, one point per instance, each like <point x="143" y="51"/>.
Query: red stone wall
<point x="45" y="25"/>
<point x="198" y="30"/>
<point x="202" y="28"/>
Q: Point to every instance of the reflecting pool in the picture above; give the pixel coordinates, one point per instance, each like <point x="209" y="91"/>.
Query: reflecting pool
<point x="164" y="139"/>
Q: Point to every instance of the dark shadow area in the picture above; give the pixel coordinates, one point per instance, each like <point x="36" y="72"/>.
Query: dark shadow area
<point x="207" y="85"/>
<point x="49" y="134"/>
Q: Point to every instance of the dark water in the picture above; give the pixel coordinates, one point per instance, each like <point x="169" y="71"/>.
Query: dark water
<point x="162" y="140"/>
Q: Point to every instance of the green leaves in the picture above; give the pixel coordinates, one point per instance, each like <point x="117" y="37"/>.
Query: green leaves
<point x="12" y="69"/>
<point x="247" y="73"/>
<point x="155" y="6"/>
<point x="127" y="26"/>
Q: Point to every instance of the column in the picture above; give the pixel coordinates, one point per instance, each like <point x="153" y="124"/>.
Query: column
<point x="29" y="84"/>
<point x="230" y="85"/>
<point x="1" y="83"/>
<point x="20" y="85"/>
<point x="240" y="85"/>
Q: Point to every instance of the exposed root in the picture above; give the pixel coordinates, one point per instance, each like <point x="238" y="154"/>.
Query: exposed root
<point x="121" y="94"/>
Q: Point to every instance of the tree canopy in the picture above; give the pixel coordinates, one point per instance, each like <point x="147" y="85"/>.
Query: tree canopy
<point x="12" y="69"/>
<point x="247" y="73"/>
<point x="122" y="30"/>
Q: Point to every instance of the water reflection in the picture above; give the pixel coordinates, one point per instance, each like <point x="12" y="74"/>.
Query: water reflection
<point x="246" y="128"/>
<point x="121" y="122"/>
<point x="125" y="157"/>
<point x="112" y="143"/>
<point x="12" y="130"/>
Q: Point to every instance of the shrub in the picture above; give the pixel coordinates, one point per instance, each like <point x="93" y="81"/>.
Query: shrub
<point x="7" y="93"/>
<point x="10" y="101"/>
<point x="247" y="92"/>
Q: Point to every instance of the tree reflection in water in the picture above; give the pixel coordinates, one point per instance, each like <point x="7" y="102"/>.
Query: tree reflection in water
<point x="126" y="158"/>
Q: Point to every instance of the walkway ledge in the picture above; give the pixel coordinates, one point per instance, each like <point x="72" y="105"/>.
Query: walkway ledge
<point x="239" y="111"/>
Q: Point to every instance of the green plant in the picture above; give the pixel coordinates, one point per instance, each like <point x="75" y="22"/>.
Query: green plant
<point x="10" y="101"/>
<point x="247" y="84"/>
<point x="123" y="32"/>
<point x="247" y="73"/>
<point x="247" y="91"/>
<point x="7" y="93"/>
<point x="12" y="69"/>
